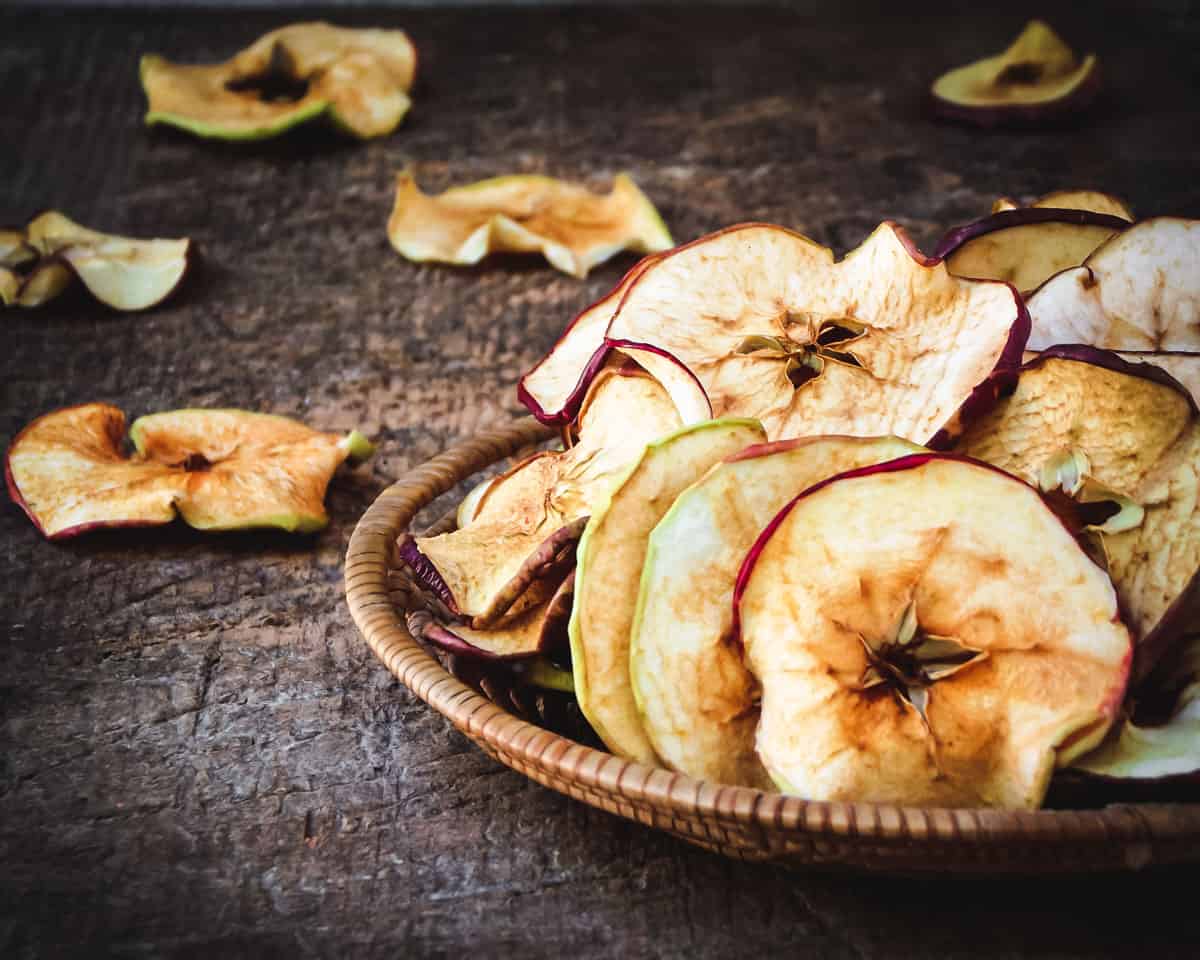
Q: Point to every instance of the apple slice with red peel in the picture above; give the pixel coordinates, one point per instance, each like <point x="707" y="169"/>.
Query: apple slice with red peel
<point x="220" y="469"/>
<point x="1038" y="79"/>
<point x="571" y="227"/>
<point x="1182" y="366"/>
<point x="884" y="341"/>
<point x="480" y="569"/>
<point x="697" y="701"/>
<point x="1139" y="291"/>
<point x="608" y="568"/>
<point x="1092" y="200"/>
<point x="877" y="611"/>
<point x="1026" y="246"/>
<point x="1140" y="434"/>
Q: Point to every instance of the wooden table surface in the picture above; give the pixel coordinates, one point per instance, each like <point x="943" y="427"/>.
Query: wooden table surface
<point x="198" y="754"/>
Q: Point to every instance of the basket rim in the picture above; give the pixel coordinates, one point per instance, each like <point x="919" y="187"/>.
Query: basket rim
<point x="1137" y="826"/>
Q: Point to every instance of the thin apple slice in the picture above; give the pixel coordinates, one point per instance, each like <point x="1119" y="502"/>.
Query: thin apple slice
<point x="608" y="568"/>
<point x="697" y="701"/>
<point x="884" y="341"/>
<point x="480" y="569"/>
<point x="1091" y="200"/>
<point x="911" y="647"/>
<point x="360" y="78"/>
<point x="14" y="250"/>
<point x="1183" y="366"/>
<point x="571" y="227"/>
<point x="1036" y="80"/>
<point x="10" y="286"/>
<point x="1027" y="246"/>
<point x="1138" y="431"/>
<point x="1139" y="291"/>
<point x="220" y="469"/>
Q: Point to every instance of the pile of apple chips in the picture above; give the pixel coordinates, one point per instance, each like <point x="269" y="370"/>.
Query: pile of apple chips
<point x="827" y="527"/>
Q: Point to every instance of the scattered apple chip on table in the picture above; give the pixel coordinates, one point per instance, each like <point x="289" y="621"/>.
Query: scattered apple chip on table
<point x="573" y="228"/>
<point x="359" y="78"/>
<point x="1036" y="80"/>
<point x="911" y="647"/>
<point x="218" y="469"/>
<point x="121" y="272"/>
<point x="697" y="701"/>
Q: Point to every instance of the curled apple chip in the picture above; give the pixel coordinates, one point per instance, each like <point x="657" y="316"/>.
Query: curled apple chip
<point x="1026" y="247"/>
<point x="697" y="701"/>
<point x="571" y="227"/>
<point x="219" y="469"/>
<point x="911" y="646"/>
<point x="1091" y="200"/>
<point x="608" y="568"/>
<point x="1138" y="291"/>
<point x="882" y="342"/>
<point x="480" y="569"/>
<point x="1138" y="433"/>
<point x="1037" y="79"/>
<point x="359" y="78"/>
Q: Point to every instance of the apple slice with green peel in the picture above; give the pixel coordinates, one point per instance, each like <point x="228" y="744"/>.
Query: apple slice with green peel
<point x="608" y="567"/>
<point x="697" y="701"/>
<point x="359" y="78"/>
<point x="1159" y="751"/>
<point x="884" y="341"/>
<point x="1139" y="291"/>
<point x="1038" y="79"/>
<point x="573" y="228"/>
<point x="880" y="612"/>
<point x="1138" y="431"/>
<point x="1026" y="246"/>
<point x="554" y="388"/>
<point x="220" y="469"/>
<point x="480" y="569"/>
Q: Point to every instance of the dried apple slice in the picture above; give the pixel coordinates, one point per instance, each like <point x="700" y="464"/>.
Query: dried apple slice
<point x="1139" y="291"/>
<point x="884" y="341"/>
<point x="360" y="78"/>
<point x="1183" y="366"/>
<point x="1025" y="247"/>
<point x="10" y="286"/>
<point x="571" y="227"/>
<point x="1140" y="435"/>
<point x="878" y="612"/>
<point x="220" y="469"/>
<point x="697" y="701"/>
<point x="479" y="570"/>
<point x="609" y="564"/>
<point x="1091" y="200"/>
<point x="1036" y="80"/>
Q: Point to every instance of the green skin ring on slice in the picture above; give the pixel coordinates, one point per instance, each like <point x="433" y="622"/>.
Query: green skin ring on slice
<point x="609" y="562"/>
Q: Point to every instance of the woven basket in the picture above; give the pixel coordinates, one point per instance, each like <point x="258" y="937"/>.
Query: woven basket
<point x="735" y="821"/>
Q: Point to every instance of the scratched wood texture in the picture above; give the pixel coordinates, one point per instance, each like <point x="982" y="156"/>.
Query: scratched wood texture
<point x="198" y="755"/>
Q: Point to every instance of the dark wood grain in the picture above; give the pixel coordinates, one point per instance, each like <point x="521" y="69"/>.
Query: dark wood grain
<point x="198" y="755"/>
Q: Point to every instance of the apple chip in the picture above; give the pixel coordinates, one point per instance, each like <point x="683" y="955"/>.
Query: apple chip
<point x="1091" y="200"/>
<point x="1025" y="247"/>
<point x="608" y="568"/>
<point x="883" y="342"/>
<point x="571" y="227"/>
<point x="1037" y="79"/>
<point x="524" y="520"/>
<point x="1139" y="291"/>
<point x="359" y="78"/>
<point x="1135" y="433"/>
<point x="697" y="701"/>
<point x="220" y="469"/>
<point x="912" y="647"/>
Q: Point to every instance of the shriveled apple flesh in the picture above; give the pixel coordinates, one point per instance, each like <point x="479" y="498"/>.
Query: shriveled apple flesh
<point x="1092" y="200"/>
<point x="1184" y="367"/>
<point x="1038" y="68"/>
<point x="1171" y="749"/>
<point x="697" y="701"/>
<point x="1040" y="662"/>
<point x="287" y="77"/>
<point x="220" y="469"/>
<point x="881" y="342"/>
<point x="608" y="569"/>
<point x="1139" y="291"/>
<point x="518" y="512"/>
<point x="553" y="389"/>
<point x="10" y="286"/>
<point x="1025" y="253"/>
<point x="573" y="228"/>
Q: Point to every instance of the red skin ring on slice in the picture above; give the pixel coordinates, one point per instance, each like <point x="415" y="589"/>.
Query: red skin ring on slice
<point x="651" y="348"/>
<point x="957" y="237"/>
<point x="1083" y="353"/>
